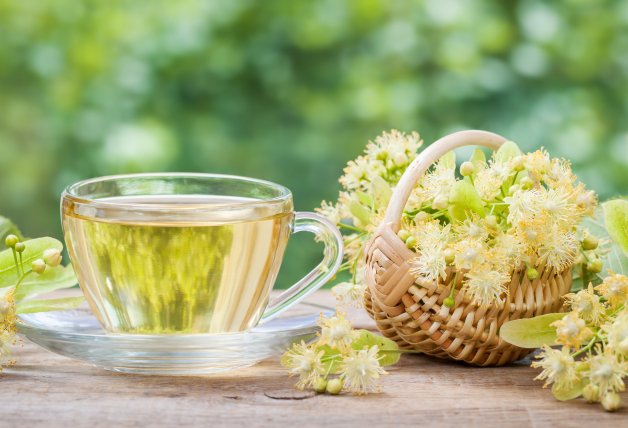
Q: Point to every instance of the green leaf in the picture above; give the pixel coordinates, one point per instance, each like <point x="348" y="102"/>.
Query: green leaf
<point x="381" y="192"/>
<point x="34" y="250"/>
<point x="616" y="220"/>
<point x="6" y="228"/>
<point x="448" y="160"/>
<point x="531" y="332"/>
<point x="566" y="394"/>
<point x="331" y="358"/>
<point x="364" y="198"/>
<point x="615" y="259"/>
<point x="507" y="151"/>
<point x="45" y="305"/>
<point x="388" y="350"/>
<point x="52" y="279"/>
<point x="464" y="199"/>
<point x="360" y="212"/>
<point x="478" y="159"/>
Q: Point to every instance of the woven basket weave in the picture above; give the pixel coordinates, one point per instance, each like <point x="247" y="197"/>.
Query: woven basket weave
<point x="411" y="311"/>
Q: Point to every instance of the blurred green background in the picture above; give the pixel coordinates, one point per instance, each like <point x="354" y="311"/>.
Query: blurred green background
<point x="290" y="90"/>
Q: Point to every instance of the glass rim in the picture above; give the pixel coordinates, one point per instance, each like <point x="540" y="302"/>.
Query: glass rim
<point x="284" y="194"/>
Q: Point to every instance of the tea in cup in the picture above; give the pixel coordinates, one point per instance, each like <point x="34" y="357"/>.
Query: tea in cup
<point x="187" y="253"/>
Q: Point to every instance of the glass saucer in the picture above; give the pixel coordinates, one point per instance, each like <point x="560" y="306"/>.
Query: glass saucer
<point x="77" y="334"/>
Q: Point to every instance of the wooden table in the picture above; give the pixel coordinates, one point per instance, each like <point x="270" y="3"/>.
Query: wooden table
<point x="45" y="389"/>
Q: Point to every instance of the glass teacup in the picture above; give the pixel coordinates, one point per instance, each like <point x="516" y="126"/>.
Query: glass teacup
<point x="187" y="253"/>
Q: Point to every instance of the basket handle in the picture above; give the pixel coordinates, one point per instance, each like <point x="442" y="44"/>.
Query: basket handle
<point x="426" y="158"/>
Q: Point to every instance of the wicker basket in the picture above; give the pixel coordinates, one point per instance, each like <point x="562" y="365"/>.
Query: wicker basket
<point x="411" y="312"/>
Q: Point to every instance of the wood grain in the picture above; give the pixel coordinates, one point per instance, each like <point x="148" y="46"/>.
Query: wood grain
<point x="45" y="389"/>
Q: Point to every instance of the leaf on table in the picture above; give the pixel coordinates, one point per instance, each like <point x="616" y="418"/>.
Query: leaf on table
<point x="52" y="279"/>
<point x="7" y="227"/>
<point x="34" y="250"/>
<point x="46" y="305"/>
<point x="616" y="221"/>
<point x="388" y="350"/>
<point x="566" y="394"/>
<point x="531" y="332"/>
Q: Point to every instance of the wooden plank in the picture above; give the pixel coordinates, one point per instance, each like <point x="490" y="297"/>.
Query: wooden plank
<point x="45" y="389"/>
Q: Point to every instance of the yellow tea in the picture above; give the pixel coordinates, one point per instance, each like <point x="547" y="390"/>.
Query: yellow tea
<point x="173" y="275"/>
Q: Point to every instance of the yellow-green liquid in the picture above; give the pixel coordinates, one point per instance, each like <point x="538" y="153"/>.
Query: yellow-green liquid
<point x="162" y="276"/>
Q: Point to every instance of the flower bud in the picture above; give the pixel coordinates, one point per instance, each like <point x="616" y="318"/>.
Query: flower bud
<point x="52" y="257"/>
<point x="611" y="401"/>
<point x="491" y="220"/>
<point x="518" y="163"/>
<point x="38" y="266"/>
<point x="526" y="183"/>
<point x="440" y="202"/>
<point x="20" y="247"/>
<point x="591" y="393"/>
<point x="320" y="385"/>
<point x="532" y="273"/>
<point x="403" y="235"/>
<point x="411" y="242"/>
<point x="514" y="189"/>
<point x="590" y="242"/>
<point x="594" y="266"/>
<point x="450" y="255"/>
<point x="449" y="302"/>
<point x="467" y="168"/>
<point x="334" y="386"/>
<point x="11" y="240"/>
<point x="421" y="217"/>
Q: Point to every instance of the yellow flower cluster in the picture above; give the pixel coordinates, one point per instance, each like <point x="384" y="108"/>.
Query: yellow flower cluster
<point x="594" y="341"/>
<point x="483" y="220"/>
<point x="335" y="360"/>
<point x="7" y="327"/>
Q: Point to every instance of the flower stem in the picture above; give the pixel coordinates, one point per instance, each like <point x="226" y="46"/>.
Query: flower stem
<point x="24" y="275"/>
<point x="350" y="227"/>
<point x="17" y="264"/>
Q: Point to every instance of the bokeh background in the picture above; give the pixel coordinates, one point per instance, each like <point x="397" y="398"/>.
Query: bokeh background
<point x="290" y="90"/>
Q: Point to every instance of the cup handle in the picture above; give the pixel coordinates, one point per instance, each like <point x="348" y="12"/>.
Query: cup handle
<point x="329" y="235"/>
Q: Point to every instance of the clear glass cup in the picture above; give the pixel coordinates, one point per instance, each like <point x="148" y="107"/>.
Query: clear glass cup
<point x="187" y="253"/>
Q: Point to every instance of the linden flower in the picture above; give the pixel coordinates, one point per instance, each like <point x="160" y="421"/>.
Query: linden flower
<point x="349" y="293"/>
<point x="437" y="182"/>
<point x="7" y="311"/>
<point x="486" y="285"/>
<point x="618" y="333"/>
<point x="559" y="248"/>
<point x="430" y="265"/>
<point x="304" y="362"/>
<point x="614" y="288"/>
<point x="330" y="211"/>
<point x="537" y="164"/>
<point x="606" y="372"/>
<point x="558" y="367"/>
<point x="361" y="370"/>
<point x="523" y="205"/>
<point x="356" y="172"/>
<point x="560" y="174"/>
<point x="472" y="228"/>
<point x="394" y="148"/>
<point x="336" y="332"/>
<point x="507" y="249"/>
<point x="587" y="304"/>
<point x="557" y="206"/>
<point x="571" y="331"/>
<point x="489" y="180"/>
<point x="470" y="253"/>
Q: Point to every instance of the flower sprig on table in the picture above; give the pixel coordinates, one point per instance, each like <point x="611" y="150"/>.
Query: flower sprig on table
<point x="28" y="268"/>
<point x="485" y="219"/>
<point x="585" y="352"/>
<point x="340" y="358"/>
